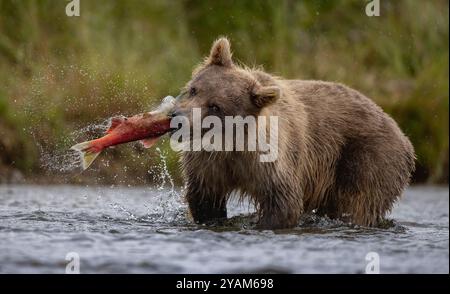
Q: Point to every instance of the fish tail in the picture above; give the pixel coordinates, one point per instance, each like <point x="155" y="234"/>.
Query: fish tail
<point x="88" y="153"/>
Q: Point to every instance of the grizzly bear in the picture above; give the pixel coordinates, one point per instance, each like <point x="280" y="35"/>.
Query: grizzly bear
<point x="339" y="154"/>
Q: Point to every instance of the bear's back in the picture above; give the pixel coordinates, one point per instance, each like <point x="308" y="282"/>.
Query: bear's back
<point x="335" y="108"/>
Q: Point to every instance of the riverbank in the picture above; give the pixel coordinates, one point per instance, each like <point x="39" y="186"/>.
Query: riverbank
<point x="60" y="74"/>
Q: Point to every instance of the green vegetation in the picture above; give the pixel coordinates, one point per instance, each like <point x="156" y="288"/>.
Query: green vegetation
<point x="59" y="74"/>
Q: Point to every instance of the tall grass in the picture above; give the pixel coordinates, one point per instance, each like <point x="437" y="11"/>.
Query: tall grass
<point x="59" y="74"/>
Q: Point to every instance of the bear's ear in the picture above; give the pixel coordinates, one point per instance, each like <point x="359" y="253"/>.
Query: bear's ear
<point x="264" y="96"/>
<point x="220" y="53"/>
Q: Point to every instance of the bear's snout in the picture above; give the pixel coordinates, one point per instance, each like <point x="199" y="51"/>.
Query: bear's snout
<point x="174" y="112"/>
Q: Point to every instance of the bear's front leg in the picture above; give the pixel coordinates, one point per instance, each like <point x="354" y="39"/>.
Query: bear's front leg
<point x="206" y="207"/>
<point x="277" y="212"/>
<point x="273" y="221"/>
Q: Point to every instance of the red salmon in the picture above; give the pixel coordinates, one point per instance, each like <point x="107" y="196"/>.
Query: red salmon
<point x="147" y="127"/>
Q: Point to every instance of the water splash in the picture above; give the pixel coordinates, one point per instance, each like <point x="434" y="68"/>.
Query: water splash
<point x="91" y="131"/>
<point x="171" y="207"/>
<point x="130" y="215"/>
<point x="62" y="159"/>
<point x="75" y="93"/>
<point x="165" y="174"/>
<point x="61" y="162"/>
<point x="61" y="95"/>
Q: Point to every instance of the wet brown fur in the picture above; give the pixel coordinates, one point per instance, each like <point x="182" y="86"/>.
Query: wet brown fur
<point x="339" y="153"/>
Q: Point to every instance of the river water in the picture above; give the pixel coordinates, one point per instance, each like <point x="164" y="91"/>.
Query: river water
<point x="146" y="230"/>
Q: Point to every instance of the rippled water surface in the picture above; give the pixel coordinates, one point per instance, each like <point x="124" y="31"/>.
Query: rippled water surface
<point x="145" y="230"/>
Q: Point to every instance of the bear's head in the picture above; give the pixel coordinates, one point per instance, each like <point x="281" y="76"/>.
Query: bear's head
<point x="221" y="88"/>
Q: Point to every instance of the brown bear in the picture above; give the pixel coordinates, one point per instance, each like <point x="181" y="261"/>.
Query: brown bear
<point x="339" y="154"/>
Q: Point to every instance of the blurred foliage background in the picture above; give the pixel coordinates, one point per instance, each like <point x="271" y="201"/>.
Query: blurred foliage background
<point x="59" y="74"/>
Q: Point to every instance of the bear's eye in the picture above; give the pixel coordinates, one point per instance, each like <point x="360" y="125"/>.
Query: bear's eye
<point x="214" y="108"/>
<point x="192" y="91"/>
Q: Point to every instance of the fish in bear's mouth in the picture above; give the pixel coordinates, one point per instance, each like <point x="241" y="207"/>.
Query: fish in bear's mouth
<point x="147" y="128"/>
